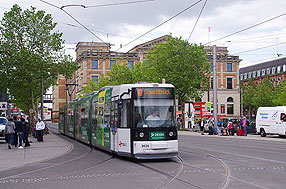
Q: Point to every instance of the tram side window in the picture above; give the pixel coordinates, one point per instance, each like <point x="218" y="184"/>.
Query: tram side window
<point x="124" y="113"/>
<point x="94" y="113"/>
<point x="77" y="116"/>
<point x="84" y="113"/>
<point x="114" y="114"/>
<point x="107" y="114"/>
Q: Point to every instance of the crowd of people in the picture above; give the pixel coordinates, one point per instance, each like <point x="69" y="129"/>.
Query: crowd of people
<point x="17" y="132"/>
<point x="224" y="128"/>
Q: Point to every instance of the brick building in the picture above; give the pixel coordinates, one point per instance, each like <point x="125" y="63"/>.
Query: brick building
<point x="275" y="69"/>
<point x="228" y="92"/>
<point x="94" y="59"/>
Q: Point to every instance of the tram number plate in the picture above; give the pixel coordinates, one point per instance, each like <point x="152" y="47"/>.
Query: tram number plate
<point x="157" y="135"/>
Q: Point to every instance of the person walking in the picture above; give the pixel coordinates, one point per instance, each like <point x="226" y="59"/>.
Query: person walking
<point x="229" y="128"/>
<point x="202" y="125"/>
<point x="15" y="141"/>
<point x="40" y="126"/>
<point x="20" y="132"/>
<point x="10" y="131"/>
<point x="244" y="124"/>
<point x="27" y="130"/>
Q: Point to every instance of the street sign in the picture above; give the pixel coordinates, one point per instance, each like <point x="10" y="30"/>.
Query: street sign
<point x="3" y="105"/>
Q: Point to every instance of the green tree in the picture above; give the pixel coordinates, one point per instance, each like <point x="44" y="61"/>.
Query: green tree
<point x="280" y="94"/>
<point x="30" y="50"/>
<point x="249" y="95"/>
<point x="182" y="64"/>
<point x="265" y="94"/>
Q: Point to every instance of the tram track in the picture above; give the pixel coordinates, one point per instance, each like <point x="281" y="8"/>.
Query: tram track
<point x="227" y="174"/>
<point x="171" y="177"/>
<point x="58" y="176"/>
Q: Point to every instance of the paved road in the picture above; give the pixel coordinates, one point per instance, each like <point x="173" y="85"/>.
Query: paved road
<point x="203" y="162"/>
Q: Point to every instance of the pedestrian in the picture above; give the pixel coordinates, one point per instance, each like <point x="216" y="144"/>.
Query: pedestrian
<point x="27" y="130"/>
<point x="244" y="124"/>
<point x="10" y="131"/>
<point x="20" y="132"/>
<point x="219" y="127"/>
<point x="202" y="125"/>
<point x="229" y="128"/>
<point x="15" y="141"/>
<point x="40" y="126"/>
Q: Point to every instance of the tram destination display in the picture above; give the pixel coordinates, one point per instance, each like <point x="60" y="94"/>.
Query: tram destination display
<point x="140" y="93"/>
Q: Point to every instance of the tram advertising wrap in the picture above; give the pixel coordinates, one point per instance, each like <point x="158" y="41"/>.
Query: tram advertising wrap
<point x="133" y="120"/>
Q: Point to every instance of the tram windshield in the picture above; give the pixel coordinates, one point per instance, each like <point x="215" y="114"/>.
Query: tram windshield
<point x="154" y="113"/>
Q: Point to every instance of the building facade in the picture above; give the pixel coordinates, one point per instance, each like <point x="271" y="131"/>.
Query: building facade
<point x="228" y="91"/>
<point x="275" y="69"/>
<point x="94" y="59"/>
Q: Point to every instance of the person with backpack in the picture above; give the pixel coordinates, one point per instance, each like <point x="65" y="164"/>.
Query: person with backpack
<point x="9" y="132"/>
<point x="20" y="132"/>
<point x="27" y="130"/>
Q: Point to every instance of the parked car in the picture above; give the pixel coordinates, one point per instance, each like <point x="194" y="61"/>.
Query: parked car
<point x="3" y="122"/>
<point x="251" y="126"/>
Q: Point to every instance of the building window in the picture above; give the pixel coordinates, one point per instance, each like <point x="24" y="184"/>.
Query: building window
<point x="229" y="99"/>
<point x="254" y="74"/>
<point x="230" y="109"/>
<point x="258" y="73"/>
<point x="111" y="62"/>
<point x="241" y="76"/>
<point x="249" y="75"/>
<point x="284" y="68"/>
<point x="229" y="83"/>
<point x="245" y="76"/>
<point x="222" y="108"/>
<point x="94" y="79"/>
<point x="278" y="69"/>
<point x="229" y="67"/>
<point x="273" y="70"/>
<point x="131" y="64"/>
<point x="263" y="72"/>
<point x="268" y="71"/>
<point x="94" y="64"/>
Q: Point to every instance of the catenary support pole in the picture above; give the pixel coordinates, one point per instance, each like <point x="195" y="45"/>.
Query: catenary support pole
<point x="215" y="105"/>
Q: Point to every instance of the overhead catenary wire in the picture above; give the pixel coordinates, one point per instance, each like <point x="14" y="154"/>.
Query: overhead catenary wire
<point x="192" y="5"/>
<point x="268" y="46"/>
<point x="75" y="20"/>
<point x="247" y="28"/>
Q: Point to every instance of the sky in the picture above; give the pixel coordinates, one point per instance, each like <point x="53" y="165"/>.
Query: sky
<point x="121" y="24"/>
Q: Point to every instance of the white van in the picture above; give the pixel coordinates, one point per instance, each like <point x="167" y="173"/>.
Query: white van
<point x="270" y="120"/>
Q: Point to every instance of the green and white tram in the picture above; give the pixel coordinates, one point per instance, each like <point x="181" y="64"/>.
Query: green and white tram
<point x="133" y="120"/>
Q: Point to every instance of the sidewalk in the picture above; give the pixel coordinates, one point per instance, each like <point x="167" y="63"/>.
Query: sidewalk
<point x="53" y="146"/>
<point x="249" y="136"/>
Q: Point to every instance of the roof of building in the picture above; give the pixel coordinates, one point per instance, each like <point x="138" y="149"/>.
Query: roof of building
<point x="264" y="65"/>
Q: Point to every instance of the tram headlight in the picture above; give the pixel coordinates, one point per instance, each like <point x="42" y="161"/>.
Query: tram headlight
<point x="171" y="133"/>
<point x="141" y="135"/>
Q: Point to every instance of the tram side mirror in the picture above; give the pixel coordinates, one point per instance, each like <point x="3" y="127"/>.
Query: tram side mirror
<point x="120" y="104"/>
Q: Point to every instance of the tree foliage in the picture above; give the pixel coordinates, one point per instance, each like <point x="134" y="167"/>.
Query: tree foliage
<point x="30" y="50"/>
<point x="280" y="94"/>
<point x="182" y="64"/>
